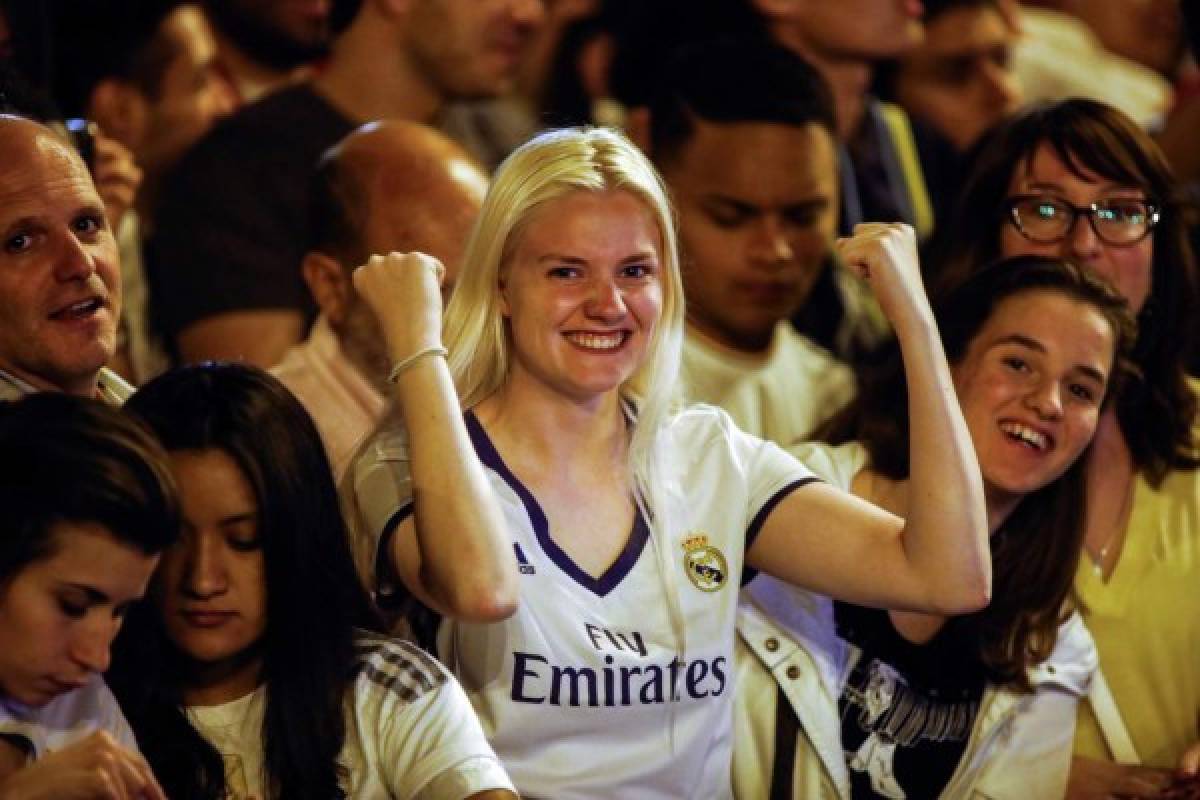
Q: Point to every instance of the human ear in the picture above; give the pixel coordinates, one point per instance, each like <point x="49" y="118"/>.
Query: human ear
<point x="330" y="285"/>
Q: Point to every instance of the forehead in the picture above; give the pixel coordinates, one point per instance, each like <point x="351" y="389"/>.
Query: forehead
<point x="189" y="35"/>
<point x="1045" y="167"/>
<point x="758" y="159"/>
<point x="590" y="224"/>
<point x="40" y="173"/>
<point x="87" y="554"/>
<point x="967" y="29"/>
<point x="1061" y="323"/>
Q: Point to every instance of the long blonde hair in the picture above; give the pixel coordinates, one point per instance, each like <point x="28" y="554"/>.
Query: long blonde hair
<point x="551" y="165"/>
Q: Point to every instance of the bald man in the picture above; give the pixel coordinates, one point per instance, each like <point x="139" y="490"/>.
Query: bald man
<point x="387" y="186"/>
<point x="60" y="280"/>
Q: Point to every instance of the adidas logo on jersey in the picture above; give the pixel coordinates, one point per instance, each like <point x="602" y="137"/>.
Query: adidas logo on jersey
<point x="523" y="565"/>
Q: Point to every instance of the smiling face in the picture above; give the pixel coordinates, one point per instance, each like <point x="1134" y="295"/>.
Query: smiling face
<point x="59" y="614"/>
<point x="757" y="213"/>
<point x="60" y="285"/>
<point x="1031" y="384"/>
<point x="582" y="293"/>
<point x="211" y="587"/>
<point x="1129" y="268"/>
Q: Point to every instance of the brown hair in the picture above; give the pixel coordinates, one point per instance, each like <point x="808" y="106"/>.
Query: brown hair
<point x="1157" y="411"/>
<point x="1036" y="549"/>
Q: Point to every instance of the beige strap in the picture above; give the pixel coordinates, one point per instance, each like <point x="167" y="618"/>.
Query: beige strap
<point x="1111" y="725"/>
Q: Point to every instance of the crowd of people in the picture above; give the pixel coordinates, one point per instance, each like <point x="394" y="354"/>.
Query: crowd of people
<point x="599" y="399"/>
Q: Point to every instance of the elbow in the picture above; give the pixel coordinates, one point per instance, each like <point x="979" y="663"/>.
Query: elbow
<point x="967" y="596"/>
<point x="492" y="601"/>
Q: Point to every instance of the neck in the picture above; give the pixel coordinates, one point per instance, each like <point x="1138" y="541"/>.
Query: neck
<point x="88" y="386"/>
<point x="756" y="345"/>
<point x="370" y="77"/>
<point x="224" y="681"/>
<point x="251" y="79"/>
<point x="546" y="429"/>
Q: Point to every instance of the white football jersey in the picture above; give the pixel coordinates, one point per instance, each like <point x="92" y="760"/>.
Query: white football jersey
<point x="582" y="692"/>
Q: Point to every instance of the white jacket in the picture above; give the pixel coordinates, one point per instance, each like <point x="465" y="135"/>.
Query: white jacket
<point x="1020" y="746"/>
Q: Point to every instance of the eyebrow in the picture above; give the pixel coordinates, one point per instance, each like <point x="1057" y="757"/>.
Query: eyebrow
<point x="558" y="258"/>
<point x="1055" y="188"/>
<point x="1033" y="344"/>
<point x="94" y="595"/>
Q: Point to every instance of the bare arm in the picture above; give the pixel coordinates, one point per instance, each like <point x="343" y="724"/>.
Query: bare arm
<point x="938" y="560"/>
<point x="453" y="551"/>
<point x="259" y="337"/>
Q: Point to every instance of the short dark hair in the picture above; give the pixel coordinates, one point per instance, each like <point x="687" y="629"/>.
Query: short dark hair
<point x="69" y="459"/>
<point x="100" y="39"/>
<point x="1036" y="550"/>
<point x="732" y="80"/>
<point x="1158" y="411"/>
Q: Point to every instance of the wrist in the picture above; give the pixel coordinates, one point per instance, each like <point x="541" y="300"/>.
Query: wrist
<point x="403" y="365"/>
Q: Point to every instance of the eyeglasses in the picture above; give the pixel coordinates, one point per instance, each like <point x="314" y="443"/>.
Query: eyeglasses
<point x="1045" y="219"/>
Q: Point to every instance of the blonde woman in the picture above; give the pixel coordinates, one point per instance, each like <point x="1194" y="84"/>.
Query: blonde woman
<point x="574" y="543"/>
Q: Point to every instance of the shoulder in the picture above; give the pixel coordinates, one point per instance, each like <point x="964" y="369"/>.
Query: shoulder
<point x="396" y="670"/>
<point x="67" y="719"/>
<point x="290" y="124"/>
<point x="836" y="465"/>
<point x="1072" y="662"/>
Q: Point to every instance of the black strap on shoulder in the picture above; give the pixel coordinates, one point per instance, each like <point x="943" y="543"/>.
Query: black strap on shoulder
<point x="787" y="728"/>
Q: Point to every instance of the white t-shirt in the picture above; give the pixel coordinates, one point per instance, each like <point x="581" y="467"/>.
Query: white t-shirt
<point x="410" y="732"/>
<point x="581" y="691"/>
<point x="781" y="395"/>
<point x="65" y="720"/>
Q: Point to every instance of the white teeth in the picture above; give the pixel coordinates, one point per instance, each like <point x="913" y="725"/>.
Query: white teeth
<point x="597" y="341"/>
<point x="1025" y="434"/>
<point x="80" y="309"/>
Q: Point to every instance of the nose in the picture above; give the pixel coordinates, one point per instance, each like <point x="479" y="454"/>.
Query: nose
<point x="605" y="300"/>
<point x="769" y="243"/>
<point x="204" y="573"/>
<point x="1002" y="90"/>
<point x="530" y="13"/>
<point x="90" y="647"/>
<point x="1082" y="241"/>
<point x="1045" y="399"/>
<point x="75" y="261"/>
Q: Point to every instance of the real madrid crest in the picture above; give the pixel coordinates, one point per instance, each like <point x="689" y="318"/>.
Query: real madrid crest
<point x="704" y="564"/>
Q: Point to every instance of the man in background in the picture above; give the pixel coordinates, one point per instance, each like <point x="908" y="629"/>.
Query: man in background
<point x="389" y="186"/>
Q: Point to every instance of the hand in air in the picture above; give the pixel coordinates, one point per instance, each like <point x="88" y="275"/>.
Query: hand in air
<point x="884" y="254"/>
<point x="404" y="291"/>
<point x="95" y="768"/>
<point x="116" y="176"/>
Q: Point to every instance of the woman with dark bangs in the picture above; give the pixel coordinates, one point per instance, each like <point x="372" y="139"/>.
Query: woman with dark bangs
<point x="89" y="504"/>
<point x="1079" y="180"/>
<point x="255" y="671"/>
<point x="902" y="704"/>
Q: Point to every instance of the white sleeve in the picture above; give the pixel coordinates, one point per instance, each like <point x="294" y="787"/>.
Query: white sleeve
<point x="376" y="494"/>
<point x="434" y="747"/>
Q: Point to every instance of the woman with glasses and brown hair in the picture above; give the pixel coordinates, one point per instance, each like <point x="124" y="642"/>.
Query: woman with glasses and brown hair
<point x="1079" y="180"/>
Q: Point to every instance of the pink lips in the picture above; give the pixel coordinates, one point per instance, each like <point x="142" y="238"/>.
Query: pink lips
<point x="207" y="619"/>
